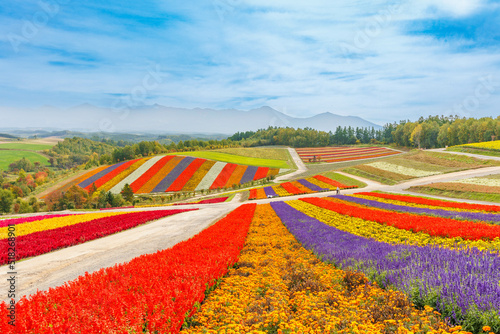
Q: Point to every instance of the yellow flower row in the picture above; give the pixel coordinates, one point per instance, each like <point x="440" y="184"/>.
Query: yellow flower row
<point x="321" y="184"/>
<point x="198" y="175"/>
<point x="278" y="286"/>
<point x="415" y="205"/>
<point x="491" y="145"/>
<point x="302" y="188"/>
<point x="386" y="233"/>
<point x="52" y="223"/>
<point x="280" y="191"/>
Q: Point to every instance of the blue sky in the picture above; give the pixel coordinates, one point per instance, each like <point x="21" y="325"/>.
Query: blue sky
<point x="383" y="61"/>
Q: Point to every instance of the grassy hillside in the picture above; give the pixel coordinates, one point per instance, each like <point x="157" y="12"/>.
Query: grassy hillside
<point x="237" y="159"/>
<point x="25" y="146"/>
<point x="9" y="156"/>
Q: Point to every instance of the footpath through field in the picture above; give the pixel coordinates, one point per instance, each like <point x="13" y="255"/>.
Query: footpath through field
<point x="301" y="167"/>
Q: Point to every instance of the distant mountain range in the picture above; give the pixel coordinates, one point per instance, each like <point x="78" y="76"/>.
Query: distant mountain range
<point x="160" y="119"/>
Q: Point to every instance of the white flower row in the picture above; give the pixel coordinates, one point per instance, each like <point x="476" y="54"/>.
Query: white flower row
<point x="480" y="181"/>
<point x="136" y="174"/>
<point x="401" y="169"/>
<point x="211" y="175"/>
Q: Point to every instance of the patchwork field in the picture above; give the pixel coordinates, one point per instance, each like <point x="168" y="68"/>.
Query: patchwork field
<point x="367" y="263"/>
<point x="339" y="154"/>
<point x="170" y="173"/>
<point x="317" y="183"/>
<point x="416" y="164"/>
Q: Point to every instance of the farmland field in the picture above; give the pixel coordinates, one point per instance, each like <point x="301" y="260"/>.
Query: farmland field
<point x="25" y="146"/>
<point x="339" y="154"/>
<point x="9" y="156"/>
<point x="368" y="263"/>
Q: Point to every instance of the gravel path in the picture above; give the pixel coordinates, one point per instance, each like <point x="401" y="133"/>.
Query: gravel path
<point x="301" y="167"/>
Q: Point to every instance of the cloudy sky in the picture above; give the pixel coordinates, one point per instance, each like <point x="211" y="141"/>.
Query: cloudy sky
<point x="383" y="61"/>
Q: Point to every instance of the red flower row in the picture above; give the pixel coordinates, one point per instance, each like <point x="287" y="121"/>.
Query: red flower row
<point x="434" y="202"/>
<point x="42" y="242"/>
<point x="179" y="182"/>
<point x="137" y="184"/>
<point x="443" y="227"/>
<point x="223" y="176"/>
<point x="152" y="293"/>
<point x="331" y="182"/>
<point x="288" y="186"/>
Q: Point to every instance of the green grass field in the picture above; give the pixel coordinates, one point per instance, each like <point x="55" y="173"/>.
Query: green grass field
<point x="25" y="146"/>
<point x="236" y="159"/>
<point x="9" y="156"/>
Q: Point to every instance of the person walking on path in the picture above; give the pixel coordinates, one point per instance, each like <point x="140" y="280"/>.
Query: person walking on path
<point x="338" y="190"/>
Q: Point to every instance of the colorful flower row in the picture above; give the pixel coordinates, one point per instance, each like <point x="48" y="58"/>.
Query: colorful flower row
<point x="434" y="202"/>
<point x="487" y="217"/>
<point x="338" y="154"/>
<point x="152" y="293"/>
<point x="171" y="174"/>
<point x="44" y="241"/>
<point x="22" y="220"/>
<point x="435" y="226"/>
<point x="309" y="185"/>
<point x="387" y="233"/>
<point x="51" y="223"/>
<point x="461" y="284"/>
<point x="279" y="287"/>
<point x="487" y="145"/>
<point x="480" y="181"/>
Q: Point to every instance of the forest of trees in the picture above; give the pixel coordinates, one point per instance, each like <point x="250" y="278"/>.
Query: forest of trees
<point x="431" y="132"/>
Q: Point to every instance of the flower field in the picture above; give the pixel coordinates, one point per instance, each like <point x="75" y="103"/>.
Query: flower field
<point x="339" y="264"/>
<point x="338" y="154"/>
<point x="43" y="234"/>
<point x="308" y="185"/>
<point x="169" y="174"/>
<point x="488" y="145"/>
<point x="152" y="293"/>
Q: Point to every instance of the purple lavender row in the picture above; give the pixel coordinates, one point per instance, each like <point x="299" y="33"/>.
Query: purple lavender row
<point x="312" y="186"/>
<point x="463" y="280"/>
<point x="97" y="176"/>
<point x="489" y="217"/>
<point x="249" y="174"/>
<point x="173" y="175"/>
<point x="270" y="191"/>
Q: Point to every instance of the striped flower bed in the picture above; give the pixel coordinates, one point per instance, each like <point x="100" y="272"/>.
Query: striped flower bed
<point x="170" y="173"/>
<point x="338" y="154"/>
<point x="310" y="185"/>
